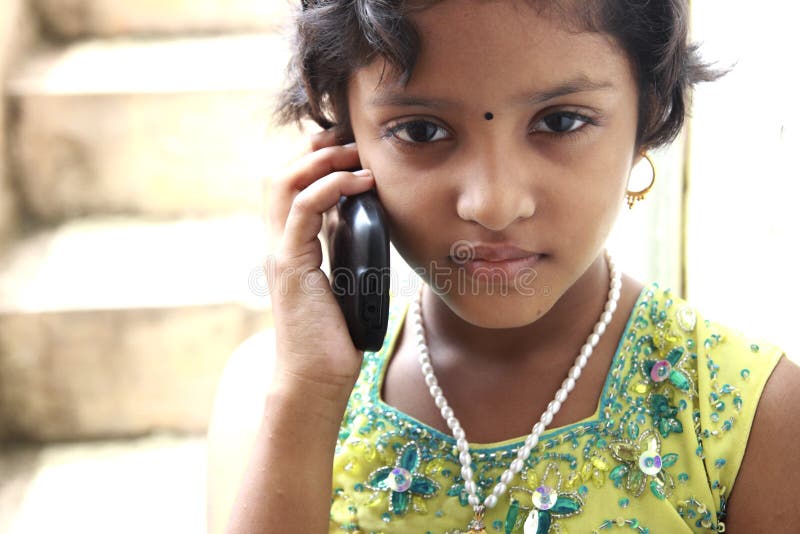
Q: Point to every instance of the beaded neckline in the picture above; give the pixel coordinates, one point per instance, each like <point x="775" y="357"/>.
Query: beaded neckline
<point x="598" y="418"/>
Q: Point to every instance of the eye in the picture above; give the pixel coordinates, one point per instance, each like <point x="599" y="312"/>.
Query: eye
<point x="417" y="132"/>
<point x="561" y="122"/>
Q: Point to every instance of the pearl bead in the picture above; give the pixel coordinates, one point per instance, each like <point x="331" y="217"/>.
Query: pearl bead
<point x="440" y="401"/>
<point x="430" y="380"/>
<point x="452" y="422"/>
<point x="491" y="501"/>
<point x="523" y="452"/>
<point x="531" y="441"/>
<point x="462" y="445"/>
<point x="466" y="472"/>
<point x="506" y="477"/>
<point x="427" y="369"/>
<point x="561" y="395"/>
<point x="615" y="294"/>
<point x="458" y="433"/>
<point x="575" y="373"/>
<point x="516" y="465"/>
<point x="568" y="384"/>
<point x="594" y="339"/>
<point x="582" y="361"/>
<point x="499" y="489"/>
<point x="586" y="350"/>
<point x="606" y="317"/>
<point x="465" y="458"/>
<point x="447" y="412"/>
<point x="554" y="406"/>
<point x="600" y="328"/>
<point x="616" y="285"/>
<point x="546" y="418"/>
<point x="470" y="486"/>
<point x="611" y="306"/>
<point x="474" y="500"/>
<point x="538" y="428"/>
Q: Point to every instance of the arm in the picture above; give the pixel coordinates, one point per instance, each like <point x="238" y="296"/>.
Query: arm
<point x="235" y="419"/>
<point x="282" y="463"/>
<point x="763" y="498"/>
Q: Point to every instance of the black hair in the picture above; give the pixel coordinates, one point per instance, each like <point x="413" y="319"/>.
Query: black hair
<point x="333" y="38"/>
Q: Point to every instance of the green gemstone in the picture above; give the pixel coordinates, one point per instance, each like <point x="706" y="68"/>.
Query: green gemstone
<point x="657" y="489"/>
<point x="745" y="373"/>
<point x="511" y="516"/>
<point x="624" y="502"/>
<point x="634" y="523"/>
<point x="422" y="485"/>
<point x="378" y="481"/>
<point x="680" y="380"/>
<point x="400" y="502"/>
<point x="410" y="458"/>
<point x="675" y="355"/>
<point x="565" y="505"/>
<point x="544" y="522"/>
<point x="669" y="460"/>
<point x="617" y="474"/>
<point x="754" y="348"/>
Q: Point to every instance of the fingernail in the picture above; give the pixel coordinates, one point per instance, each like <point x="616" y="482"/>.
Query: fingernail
<point x="363" y="172"/>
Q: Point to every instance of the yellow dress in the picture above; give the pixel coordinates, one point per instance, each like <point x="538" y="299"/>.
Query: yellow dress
<point x="659" y="455"/>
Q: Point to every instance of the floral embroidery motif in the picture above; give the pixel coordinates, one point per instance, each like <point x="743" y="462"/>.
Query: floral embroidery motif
<point x="541" y="505"/>
<point x="403" y="480"/>
<point x="642" y="462"/>
<point x="669" y="370"/>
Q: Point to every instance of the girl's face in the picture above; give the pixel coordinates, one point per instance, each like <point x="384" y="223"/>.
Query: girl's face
<point x="546" y="173"/>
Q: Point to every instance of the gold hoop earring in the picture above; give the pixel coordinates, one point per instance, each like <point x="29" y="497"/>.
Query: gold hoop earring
<point x="635" y="196"/>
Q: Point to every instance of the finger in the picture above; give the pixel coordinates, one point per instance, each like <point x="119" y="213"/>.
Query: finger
<point x="322" y="139"/>
<point x="306" y="171"/>
<point x="305" y="216"/>
<point x="319" y="163"/>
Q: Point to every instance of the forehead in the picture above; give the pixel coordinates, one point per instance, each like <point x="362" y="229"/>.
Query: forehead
<point x="499" y="49"/>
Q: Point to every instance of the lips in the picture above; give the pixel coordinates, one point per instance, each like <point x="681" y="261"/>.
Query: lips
<point x="502" y="252"/>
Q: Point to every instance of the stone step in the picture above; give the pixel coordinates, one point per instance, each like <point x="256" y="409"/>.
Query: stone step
<point x="71" y="19"/>
<point x="118" y="327"/>
<point x="166" y="128"/>
<point x="86" y="487"/>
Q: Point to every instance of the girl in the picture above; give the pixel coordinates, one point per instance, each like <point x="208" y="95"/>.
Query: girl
<point x="528" y="386"/>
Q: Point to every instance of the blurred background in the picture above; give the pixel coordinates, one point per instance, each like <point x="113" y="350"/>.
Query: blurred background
<point x="135" y="141"/>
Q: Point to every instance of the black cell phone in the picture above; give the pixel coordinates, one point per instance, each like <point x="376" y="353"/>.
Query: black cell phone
<point x="360" y="275"/>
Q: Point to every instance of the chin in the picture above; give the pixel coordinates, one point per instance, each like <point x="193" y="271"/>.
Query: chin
<point x="499" y="307"/>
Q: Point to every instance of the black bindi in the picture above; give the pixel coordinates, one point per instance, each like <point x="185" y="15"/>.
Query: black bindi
<point x="488" y="116"/>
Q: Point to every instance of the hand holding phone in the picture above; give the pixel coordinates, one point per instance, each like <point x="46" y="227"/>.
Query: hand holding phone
<point x="314" y="348"/>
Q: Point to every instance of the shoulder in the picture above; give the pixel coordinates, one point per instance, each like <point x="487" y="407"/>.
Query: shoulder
<point x="235" y="417"/>
<point x="763" y="499"/>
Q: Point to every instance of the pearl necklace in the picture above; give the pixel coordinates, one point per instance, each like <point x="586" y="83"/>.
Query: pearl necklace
<point x="465" y="459"/>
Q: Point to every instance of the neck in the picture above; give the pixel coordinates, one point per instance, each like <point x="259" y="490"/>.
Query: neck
<point x="562" y="329"/>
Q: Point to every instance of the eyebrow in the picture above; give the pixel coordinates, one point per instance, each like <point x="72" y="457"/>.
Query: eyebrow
<point x="577" y="85"/>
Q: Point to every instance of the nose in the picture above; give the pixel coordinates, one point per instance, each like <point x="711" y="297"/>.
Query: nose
<point x="495" y="197"/>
